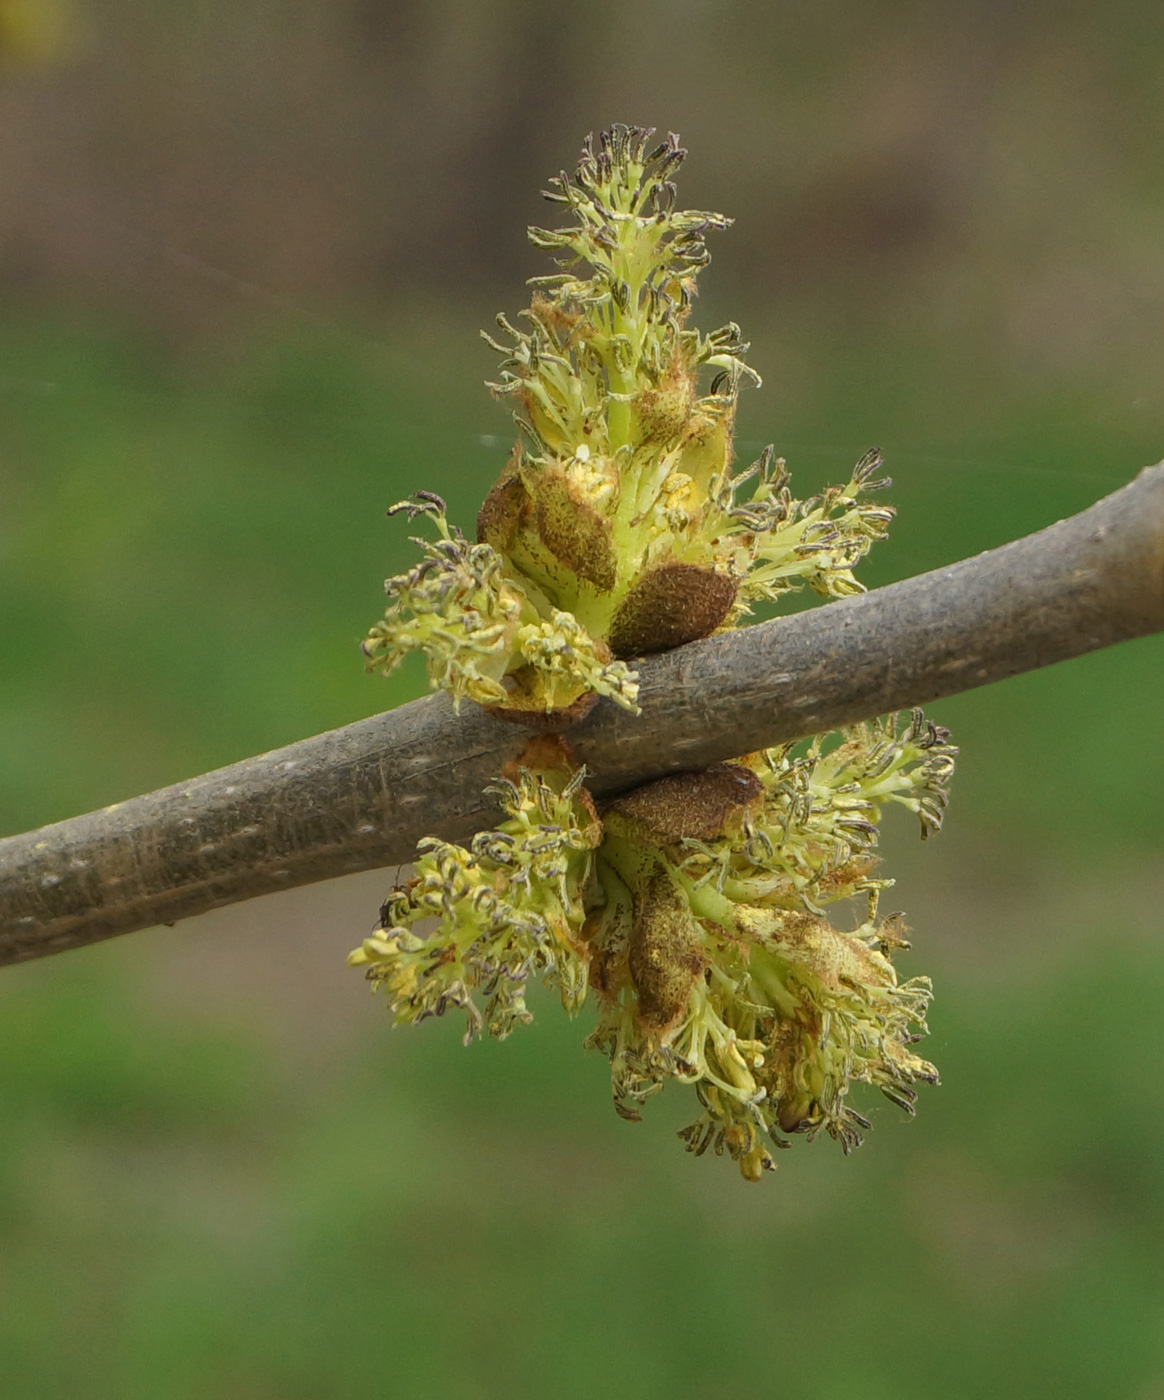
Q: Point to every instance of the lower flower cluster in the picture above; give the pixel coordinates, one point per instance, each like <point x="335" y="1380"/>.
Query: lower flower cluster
<point x="694" y="909"/>
<point x="509" y="908"/>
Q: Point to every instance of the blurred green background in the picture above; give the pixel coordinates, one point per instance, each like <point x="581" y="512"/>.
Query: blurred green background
<point x="244" y="252"/>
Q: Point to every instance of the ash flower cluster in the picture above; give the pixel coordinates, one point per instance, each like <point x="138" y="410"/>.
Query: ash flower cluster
<point x="472" y="624"/>
<point x="508" y="908"/>
<point x="715" y="962"/>
<point x="695" y="913"/>
<point x="618" y="527"/>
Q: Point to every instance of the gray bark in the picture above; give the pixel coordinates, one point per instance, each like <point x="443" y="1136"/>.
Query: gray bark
<point x="361" y="796"/>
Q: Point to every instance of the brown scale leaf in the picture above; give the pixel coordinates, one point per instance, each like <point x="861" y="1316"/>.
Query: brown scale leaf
<point x="703" y="806"/>
<point x="666" y="953"/>
<point x="663" y="412"/>
<point x="502" y="510"/>
<point x="670" y="605"/>
<point x="572" y="530"/>
<point x="608" y="966"/>
<point x="546" y="721"/>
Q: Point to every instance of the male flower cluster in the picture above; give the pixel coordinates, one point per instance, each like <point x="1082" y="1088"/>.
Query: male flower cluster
<point x="713" y="957"/>
<point x="617" y="527"/>
<point x="510" y="908"/>
<point x="694" y="910"/>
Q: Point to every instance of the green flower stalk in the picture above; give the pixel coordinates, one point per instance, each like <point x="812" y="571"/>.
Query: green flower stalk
<point x="694" y="911"/>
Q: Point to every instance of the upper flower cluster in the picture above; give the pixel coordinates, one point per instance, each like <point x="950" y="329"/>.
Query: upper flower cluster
<point x="618" y="527"/>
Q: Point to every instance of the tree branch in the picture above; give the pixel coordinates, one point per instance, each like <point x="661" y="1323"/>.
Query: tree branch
<point x="361" y="796"/>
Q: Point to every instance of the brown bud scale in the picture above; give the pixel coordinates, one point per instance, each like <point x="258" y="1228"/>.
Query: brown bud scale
<point x="703" y="806"/>
<point x="666" y="952"/>
<point x="669" y="606"/>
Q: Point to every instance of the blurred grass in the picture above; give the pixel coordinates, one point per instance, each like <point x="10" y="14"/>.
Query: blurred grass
<point x="182" y="1216"/>
<point x="190" y="549"/>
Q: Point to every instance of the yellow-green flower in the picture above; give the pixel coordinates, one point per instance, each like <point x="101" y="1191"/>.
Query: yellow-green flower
<point x="618" y="527"/>
<point x="508" y="908"/>
<point x="695" y="909"/>
<point x="715" y="961"/>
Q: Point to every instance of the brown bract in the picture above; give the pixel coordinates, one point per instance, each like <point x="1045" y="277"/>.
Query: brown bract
<point x="547" y="721"/>
<point x="501" y="511"/>
<point x="662" y="413"/>
<point x="702" y="806"/>
<point x="833" y="957"/>
<point x="798" y="1112"/>
<point x="544" y="753"/>
<point x="572" y="530"/>
<point x="671" y="605"/>
<point x="607" y="965"/>
<point x="666" y="953"/>
<point x="551" y="754"/>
